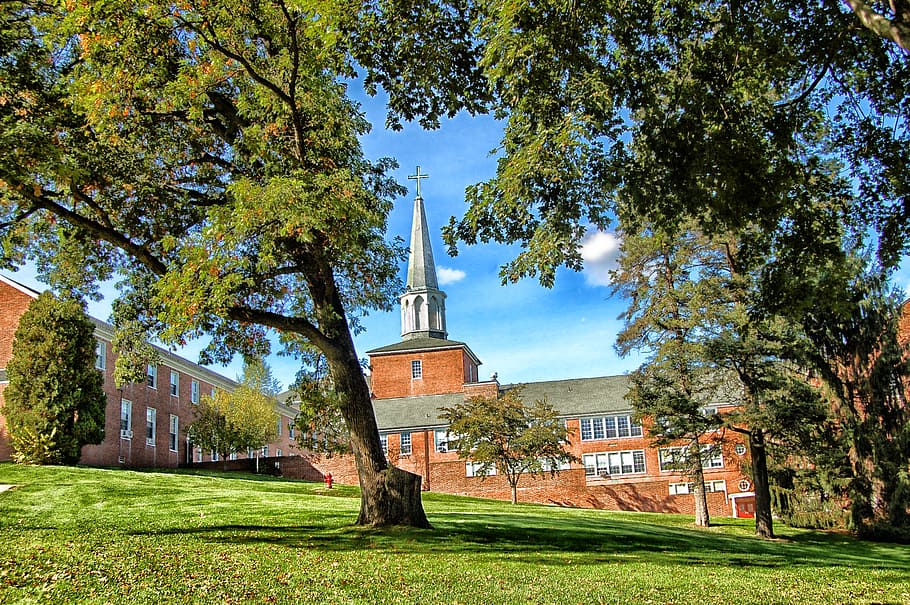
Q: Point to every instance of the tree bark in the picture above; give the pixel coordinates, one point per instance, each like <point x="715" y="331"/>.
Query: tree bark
<point x="764" y="524"/>
<point x="388" y="495"/>
<point x="702" y="518"/>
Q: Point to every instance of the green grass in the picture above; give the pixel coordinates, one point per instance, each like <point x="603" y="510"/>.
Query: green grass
<point x="107" y="536"/>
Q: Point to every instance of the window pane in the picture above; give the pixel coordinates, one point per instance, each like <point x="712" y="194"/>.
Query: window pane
<point x="638" y="457"/>
<point x="586" y="431"/>
<point x="610" y="422"/>
<point x="622" y="426"/>
<point x="590" y="466"/>
<point x="626" y="458"/>
<point x="636" y="430"/>
<point x="598" y="428"/>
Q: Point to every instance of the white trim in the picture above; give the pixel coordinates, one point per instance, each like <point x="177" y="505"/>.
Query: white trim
<point x="734" y="497"/>
<point x="21" y="287"/>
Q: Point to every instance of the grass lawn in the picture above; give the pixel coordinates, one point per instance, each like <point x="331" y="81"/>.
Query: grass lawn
<point x="83" y="535"/>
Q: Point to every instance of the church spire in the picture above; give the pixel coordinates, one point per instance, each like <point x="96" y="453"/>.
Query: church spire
<point x="423" y="303"/>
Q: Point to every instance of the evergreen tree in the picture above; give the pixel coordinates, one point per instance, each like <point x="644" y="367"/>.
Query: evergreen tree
<point x="55" y="400"/>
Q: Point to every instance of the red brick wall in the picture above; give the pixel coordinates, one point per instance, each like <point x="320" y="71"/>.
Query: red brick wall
<point x="13" y="304"/>
<point x="443" y="372"/>
<point x="648" y="492"/>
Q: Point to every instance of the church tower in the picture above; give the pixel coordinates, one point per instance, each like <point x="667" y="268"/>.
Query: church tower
<point x="423" y="308"/>
<point x="424" y="362"/>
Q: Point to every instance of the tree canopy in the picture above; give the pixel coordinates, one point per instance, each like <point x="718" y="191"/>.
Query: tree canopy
<point x="501" y="434"/>
<point x="54" y="403"/>
<point x="207" y="155"/>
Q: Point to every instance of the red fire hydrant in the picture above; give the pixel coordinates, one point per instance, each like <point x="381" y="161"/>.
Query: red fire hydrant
<point x="328" y="480"/>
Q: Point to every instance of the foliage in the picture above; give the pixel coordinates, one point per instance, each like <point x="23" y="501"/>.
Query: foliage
<point x="55" y="400"/>
<point x="684" y="110"/>
<point x="319" y="422"/>
<point x="81" y="535"/>
<point x="238" y="420"/>
<point x="858" y="356"/>
<point x="501" y="434"/>
<point x="208" y="155"/>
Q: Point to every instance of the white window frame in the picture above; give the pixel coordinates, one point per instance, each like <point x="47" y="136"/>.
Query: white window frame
<point x="194" y="391"/>
<point x="100" y="355"/>
<point x="290" y="429"/>
<point x="126" y="419"/>
<point x="280" y="422"/>
<point x="405" y="447"/>
<point x="151" y="376"/>
<point x="666" y="456"/>
<point x="151" y="426"/>
<point x="681" y="489"/>
<point x="214" y="456"/>
<point x="278" y="452"/>
<point x="416" y="369"/>
<point x="441" y="441"/>
<point x="265" y="451"/>
<point x="175" y="384"/>
<point x="615" y="426"/>
<point x="473" y="469"/>
<point x="614" y="464"/>
<point x="174" y="433"/>
<point x="384" y="440"/>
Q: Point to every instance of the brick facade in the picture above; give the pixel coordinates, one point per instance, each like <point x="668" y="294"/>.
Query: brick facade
<point x="134" y="447"/>
<point x="442" y="371"/>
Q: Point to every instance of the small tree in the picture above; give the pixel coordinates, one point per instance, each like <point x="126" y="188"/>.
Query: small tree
<point x="229" y="422"/>
<point x="55" y="400"/>
<point x="501" y="432"/>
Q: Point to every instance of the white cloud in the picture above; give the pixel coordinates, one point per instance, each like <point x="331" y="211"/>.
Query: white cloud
<point x="599" y="250"/>
<point x="449" y="276"/>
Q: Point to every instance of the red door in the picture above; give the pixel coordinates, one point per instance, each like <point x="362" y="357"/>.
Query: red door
<point x="745" y="507"/>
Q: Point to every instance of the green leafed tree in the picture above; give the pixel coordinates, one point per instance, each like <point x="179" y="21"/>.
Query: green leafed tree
<point x="55" y="402"/>
<point x="504" y="434"/>
<point x="207" y="154"/>
<point x="236" y="421"/>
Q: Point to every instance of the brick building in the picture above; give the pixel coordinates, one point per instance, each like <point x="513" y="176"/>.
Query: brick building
<point x="412" y="379"/>
<point x="145" y="424"/>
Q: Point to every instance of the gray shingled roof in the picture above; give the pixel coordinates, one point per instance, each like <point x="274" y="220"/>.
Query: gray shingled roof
<point x="422" y="345"/>
<point x="571" y="398"/>
<point x="579" y="396"/>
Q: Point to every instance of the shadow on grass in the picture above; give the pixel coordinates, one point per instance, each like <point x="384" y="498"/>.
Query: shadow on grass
<point x="538" y="539"/>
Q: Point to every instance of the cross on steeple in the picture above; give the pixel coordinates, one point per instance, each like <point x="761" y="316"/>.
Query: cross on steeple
<point x="417" y="177"/>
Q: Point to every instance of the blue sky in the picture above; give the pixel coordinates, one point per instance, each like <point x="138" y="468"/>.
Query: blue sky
<point x="523" y="332"/>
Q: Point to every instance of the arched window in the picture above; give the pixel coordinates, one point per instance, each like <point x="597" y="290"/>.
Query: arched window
<point x="418" y="310"/>
<point x="434" y="313"/>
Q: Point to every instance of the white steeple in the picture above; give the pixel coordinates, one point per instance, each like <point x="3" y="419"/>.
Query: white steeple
<point x="423" y="311"/>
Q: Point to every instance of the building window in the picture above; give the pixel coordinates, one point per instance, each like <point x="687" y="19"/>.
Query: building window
<point x="608" y="464"/>
<point x="280" y="422"/>
<point x="744" y="485"/>
<point x="416" y="369"/>
<point x="173" y="433"/>
<point x="152" y="376"/>
<point x="475" y="469"/>
<point x="233" y="456"/>
<point x="290" y="429"/>
<point x="126" y="419"/>
<point x="609" y="427"/>
<point x="214" y="456"/>
<point x="405" y="444"/>
<point x="265" y="451"/>
<point x="674" y="458"/>
<point x="278" y="453"/>
<point x="199" y="455"/>
<point x="151" y="425"/>
<point x="442" y="441"/>
<point x="740" y="449"/>
<point x="194" y="391"/>
<point x="384" y="440"/>
<point x="100" y="355"/>
<point x="680" y="489"/>
<point x="175" y="383"/>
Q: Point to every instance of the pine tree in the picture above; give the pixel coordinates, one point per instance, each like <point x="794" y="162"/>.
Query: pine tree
<point x="55" y="401"/>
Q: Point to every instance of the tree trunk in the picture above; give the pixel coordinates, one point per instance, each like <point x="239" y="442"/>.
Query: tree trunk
<point x="764" y="526"/>
<point x="702" y="518"/>
<point x="514" y="487"/>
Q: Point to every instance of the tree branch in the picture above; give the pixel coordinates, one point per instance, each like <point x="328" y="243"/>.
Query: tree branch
<point x="896" y="30"/>
<point x="283" y="323"/>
